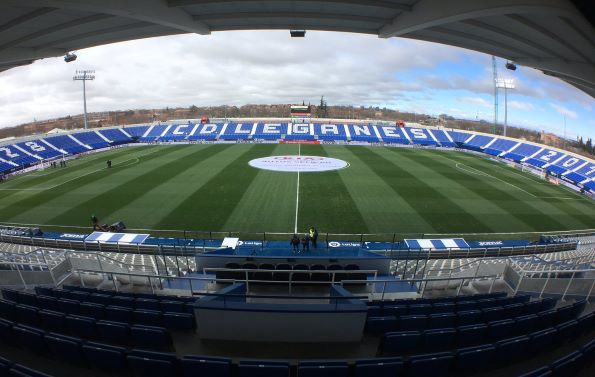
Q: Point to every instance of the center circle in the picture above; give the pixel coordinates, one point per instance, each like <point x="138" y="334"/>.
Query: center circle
<point x="304" y="164"/>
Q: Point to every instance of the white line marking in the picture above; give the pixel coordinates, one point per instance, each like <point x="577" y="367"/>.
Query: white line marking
<point x="297" y="194"/>
<point x="479" y="172"/>
<point x="117" y="165"/>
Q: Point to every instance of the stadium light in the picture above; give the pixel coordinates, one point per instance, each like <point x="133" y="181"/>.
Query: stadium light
<point x="297" y="33"/>
<point x="84" y="76"/>
<point x="505" y="84"/>
<point x="511" y="66"/>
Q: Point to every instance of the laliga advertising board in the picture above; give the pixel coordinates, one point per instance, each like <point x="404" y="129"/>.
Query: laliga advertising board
<point x="298" y="163"/>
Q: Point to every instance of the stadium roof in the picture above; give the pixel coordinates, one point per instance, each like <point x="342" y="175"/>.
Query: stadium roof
<point x="555" y="36"/>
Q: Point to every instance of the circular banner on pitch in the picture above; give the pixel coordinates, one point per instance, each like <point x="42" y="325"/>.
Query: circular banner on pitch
<point x="304" y="164"/>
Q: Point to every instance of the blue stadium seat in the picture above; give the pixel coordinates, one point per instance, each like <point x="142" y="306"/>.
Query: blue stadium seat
<point x="147" y="304"/>
<point x="6" y="334"/>
<point x="542" y="340"/>
<point x="26" y="298"/>
<point x="69" y="306"/>
<point x="323" y="369"/>
<point x="442" y="320"/>
<point x="500" y="329"/>
<point x="192" y="366"/>
<point x="378" y="367"/>
<point x="568" y="365"/>
<point x="412" y="322"/>
<point x="263" y="369"/>
<point x="439" y="339"/>
<point x="511" y="349"/>
<point x="567" y="330"/>
<point x="533" y="307"/>
<point x="435" y="364"/>
<point x="548" y="303"/>
<point x="539" y="372"/>
<point x="395" y="310"/>
<point x="53" y="321"/>
<point x="26" y="314"/>
<point x="380" y="325"/>
<point x="65" y="348"/>
<point x="81" y="326"/>
<point x="105" y="357"/>
<point x="401" y="342"/>
<point x="178" y="321"/>
<point x="148" y="317"/>
<point x="547" y="318"/>
<point x="420" y="309"/>
<point x="18" y="370"/>
<point x="492" y="314"/>
<point x="469" y="317"/>
<point x="465" y="305"/>
<point x="514" y="310"/>
<point x="119" y="314"/>
<point x="586" y="323"/>
<point x="7" y="309"/>
<point x="588" y="351"/>
<point x="152" y="364"/>
<point x="99" y="298"/>
<point x="471" y="335"/>
<point x="475" y="358"/>
<point x="48" y="302"/>
<point x="150" y="337"/>
<point x="10" y="294"/>
<point x="116" y="332"/>
<point x="123" y="301"/>
<point x="90" y="309"/>
<point x="29" y="338"/>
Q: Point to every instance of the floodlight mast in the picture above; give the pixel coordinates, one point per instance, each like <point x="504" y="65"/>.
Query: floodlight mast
<point x="84" y="76"/>
<point x="505" y="84"/>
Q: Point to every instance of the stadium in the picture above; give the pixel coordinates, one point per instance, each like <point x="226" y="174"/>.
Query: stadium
<point x="166" y="248"/>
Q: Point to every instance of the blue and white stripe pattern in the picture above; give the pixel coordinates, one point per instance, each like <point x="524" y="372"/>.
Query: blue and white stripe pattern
<point x="106" y="237"/>
<point x="437" y="244"/>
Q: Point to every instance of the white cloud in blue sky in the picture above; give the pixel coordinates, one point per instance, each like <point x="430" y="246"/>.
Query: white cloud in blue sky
<point x="237" y="68"/>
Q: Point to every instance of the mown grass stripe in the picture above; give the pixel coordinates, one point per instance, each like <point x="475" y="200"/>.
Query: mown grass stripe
<point x="436" y="208"/>
<point x="556" y="214"/>
<point x="528" y="218"/>
<point x="270" y="200"/>
<point x="44" y="199"/>
<point x="382" y="207"/>
<point x="325" y="201"/>
<point x="210" y="206"/>
<point x="147" y="210"/>
<point x="121" y="195"/>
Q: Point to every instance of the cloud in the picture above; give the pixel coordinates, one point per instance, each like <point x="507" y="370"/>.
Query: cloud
<point x="564" y="111"/>
<point x="477" y="101"/>
<point x="527" y="106"/>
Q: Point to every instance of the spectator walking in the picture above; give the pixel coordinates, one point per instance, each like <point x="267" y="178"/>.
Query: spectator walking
<point x="94" y="221"/>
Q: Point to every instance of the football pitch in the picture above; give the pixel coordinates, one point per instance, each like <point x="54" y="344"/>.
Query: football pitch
<point x="212" y="188"/>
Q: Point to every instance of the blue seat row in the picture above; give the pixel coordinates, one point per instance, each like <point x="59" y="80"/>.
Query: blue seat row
<point x="187" y="299"/>
<point x="383" y="324"/>
<point x="62" y="308"/>
<point x="407" y="342"/>
<point x="46" y="294"/>
<point x="442" y="306"/>
<point x="434" y="300"/>
<point x="155" y="337"/>
<point x="568" y="365"/>
<point x="8" y="368"/>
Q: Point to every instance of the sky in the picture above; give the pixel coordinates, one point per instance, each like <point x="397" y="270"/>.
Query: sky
<point x="263" y="67"/>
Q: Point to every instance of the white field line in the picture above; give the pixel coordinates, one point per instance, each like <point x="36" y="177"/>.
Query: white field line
<point x="479" y="172"/>
<point x="122" y="164"/>
<point x="297" y="195"/>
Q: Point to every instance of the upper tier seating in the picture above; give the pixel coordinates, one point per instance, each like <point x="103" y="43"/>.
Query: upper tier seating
<point x="115" y="135"/>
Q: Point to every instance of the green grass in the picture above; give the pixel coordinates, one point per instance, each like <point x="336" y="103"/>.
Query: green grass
<point x="212" y="188"/>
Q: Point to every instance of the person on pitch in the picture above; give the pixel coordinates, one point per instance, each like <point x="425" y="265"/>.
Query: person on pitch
<point x="306" y="243"/>
<point x="94" y="221"/>
<point x="295" y="243"/>
<point x="314" y="237"/>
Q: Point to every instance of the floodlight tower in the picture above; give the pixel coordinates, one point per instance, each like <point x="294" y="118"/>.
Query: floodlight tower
<point x="505" y="84"/>
<point x="84" y="76"/>
<point x="495" y="77"/>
